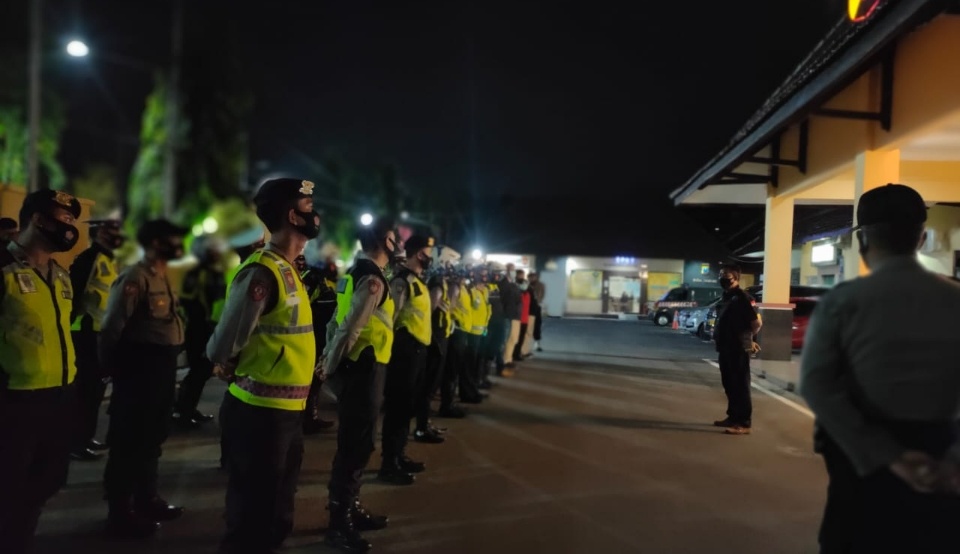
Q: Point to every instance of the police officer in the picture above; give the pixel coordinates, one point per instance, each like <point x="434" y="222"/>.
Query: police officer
<point x="443" y="326"/>
<point x="737" y="325"/>
<point x="203" y="287"/>
<point x="474" y="303"/>
<point x="885" y="391"/>
<point x="142" y="336"/>
<point x="91" y="275"/>
<point x="264" y="347"/>
<point x="359" y="345"/>
<point x="413" y="334"/>
<point x="37" y="398"/>
<point x="321" y="288"/>
<point x="462" y="318"/>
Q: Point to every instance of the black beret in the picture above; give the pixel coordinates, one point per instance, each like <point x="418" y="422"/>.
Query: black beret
<point x="891" y="204"/>
<point x="417" y="243"/>
<point x="276" y="191"/>
<point x="45" y="201"/>
<point x="158" y="229"/>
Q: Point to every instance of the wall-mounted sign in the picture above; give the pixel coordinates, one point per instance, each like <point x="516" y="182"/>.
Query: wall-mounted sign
<point x="701" y="274"/>
<point x="861" y="10"/>
<point x="823" y="254"/>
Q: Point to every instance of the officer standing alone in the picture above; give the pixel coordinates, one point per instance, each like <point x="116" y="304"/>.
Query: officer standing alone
<point x="91" y="275"/>
<point x="264" y="347"/>
<point x="412" y="336"/>
<point x="37" y="396"/>
<point x="886" y="392"/>
<point x="359" y="345"/>
<point x="737" y="325"/>
<point x="141" y="338"/>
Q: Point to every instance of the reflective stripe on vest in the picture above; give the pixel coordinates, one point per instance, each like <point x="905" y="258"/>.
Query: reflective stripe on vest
<point x="276" y="365"/>
<point x="93" y="301"/>
<point x="414" y="316"/>
<point x="378" y="332"/>
<point x="35" y="344"/>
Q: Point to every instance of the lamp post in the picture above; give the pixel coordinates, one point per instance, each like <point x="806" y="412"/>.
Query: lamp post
<point x="36" y="9"/>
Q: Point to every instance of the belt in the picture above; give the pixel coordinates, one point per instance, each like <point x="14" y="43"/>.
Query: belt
<point x="263" y="390"/>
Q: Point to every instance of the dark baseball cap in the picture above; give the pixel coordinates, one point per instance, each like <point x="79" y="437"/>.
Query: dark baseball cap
<point x="45" y="201"/>
<point x="275" y="192"/>
<point x="159" y="229"/>
<point x="417" y="243"/>
<point x="891" y="204"/>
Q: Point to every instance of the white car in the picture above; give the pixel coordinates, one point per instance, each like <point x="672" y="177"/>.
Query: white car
<point x="696" y="319"/>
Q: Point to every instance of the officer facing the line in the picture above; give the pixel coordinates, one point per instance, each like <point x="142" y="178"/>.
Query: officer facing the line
<point x="141" y="338"/>
<point x="360" y="340"/>
<point x="92" y="274"/>
<point x="412" y="336"/>
<point x="264" y="347"/>
<point x="37" y="399"/>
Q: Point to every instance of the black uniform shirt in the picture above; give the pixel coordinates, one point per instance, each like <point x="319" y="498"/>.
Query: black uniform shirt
<point x="736" y="312"/>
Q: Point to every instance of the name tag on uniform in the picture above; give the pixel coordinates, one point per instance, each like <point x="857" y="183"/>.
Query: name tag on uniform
<point x="26" y="283"/>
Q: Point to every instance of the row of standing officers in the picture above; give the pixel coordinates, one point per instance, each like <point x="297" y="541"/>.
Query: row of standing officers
<point x="390" y="343"/>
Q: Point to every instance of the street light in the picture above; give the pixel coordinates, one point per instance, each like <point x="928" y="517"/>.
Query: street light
<point x="477" y="254"/>
<point x="77" y="49"/>
<point x="366" y="220"/>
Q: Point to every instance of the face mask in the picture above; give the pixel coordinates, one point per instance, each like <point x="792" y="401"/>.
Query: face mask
<point x="425" y="262"/>
<point x="62" y="236"/>
<point x="169" y="250"/>
<point x="524" y="285"/>
<point x="114" y="242"/>
<point x="725" y="282"/>
<point x="311" y="229"/>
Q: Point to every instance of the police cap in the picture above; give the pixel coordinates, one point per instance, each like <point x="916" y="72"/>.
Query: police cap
<point x="159" y="229"/>
<point x="282" y="191"/>
<point x="891" y="204"/>
<point x="110" y="224"/>
<point x="417" y="243"/>
<point x="46" y="201"/>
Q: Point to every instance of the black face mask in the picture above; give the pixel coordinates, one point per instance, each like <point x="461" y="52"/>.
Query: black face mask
<point x="114" y="242"/>
<point x="725" y="282"/>
<point x="425" y="262"/>
<point x="311" y="229"/>
<point x="168" y="250"/>
<point x="62" y="236"/>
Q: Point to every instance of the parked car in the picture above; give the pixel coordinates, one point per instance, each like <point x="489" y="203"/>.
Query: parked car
<point x="804" y="300"/>
<point x="681" y="298"/>
<point x="696" y="320"/>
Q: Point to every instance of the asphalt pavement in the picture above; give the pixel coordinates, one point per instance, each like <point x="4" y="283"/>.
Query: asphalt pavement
<point x="601" y="443"/>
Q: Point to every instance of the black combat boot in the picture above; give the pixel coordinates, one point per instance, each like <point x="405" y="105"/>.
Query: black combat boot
<point x="342" y="533"/>
<point x="363" y="520"/>
<point x="124" y="523"/>
<point x="393" y="473"/>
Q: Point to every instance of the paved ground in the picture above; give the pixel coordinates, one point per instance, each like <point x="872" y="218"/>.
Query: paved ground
<point x="601" y="444"/>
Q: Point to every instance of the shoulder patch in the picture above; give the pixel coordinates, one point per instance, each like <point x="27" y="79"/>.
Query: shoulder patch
<point x="257" y="291"/>
<point x="130" y="288"/>
<point x="373" y="285"/>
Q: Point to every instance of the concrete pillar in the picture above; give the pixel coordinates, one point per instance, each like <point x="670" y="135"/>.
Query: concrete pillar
<point x="872" y="169"/>
<point x="777" y="314"/>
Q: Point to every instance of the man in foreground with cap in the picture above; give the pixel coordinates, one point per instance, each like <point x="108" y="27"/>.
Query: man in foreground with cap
<point x="37" y="399"/>
<point x="359" y="345"/>
<point x="264" y="347"/>
<point x="885" y="391"/>
<point x="203" y="288"/>
<point x="141" y="337"/>
<point x="412" y="336"/>
<point x="92" y="274"/>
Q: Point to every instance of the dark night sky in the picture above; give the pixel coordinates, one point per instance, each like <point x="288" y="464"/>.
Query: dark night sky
<point x="611" y="104"/>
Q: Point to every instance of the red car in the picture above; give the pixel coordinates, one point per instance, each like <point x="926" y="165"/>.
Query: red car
<point x="804" y="300"/>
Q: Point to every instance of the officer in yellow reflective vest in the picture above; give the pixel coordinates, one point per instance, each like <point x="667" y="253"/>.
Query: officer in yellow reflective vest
<point x="359" y="345"/>
<point x="263" y="346"/>
<point x="92" y="274"/>
<point x="37" y="399"/>
<point x="478" y="309"/>
<point x="413" y="334"/>
<point x="203" y="288"/>
<point x="438" y="359"/>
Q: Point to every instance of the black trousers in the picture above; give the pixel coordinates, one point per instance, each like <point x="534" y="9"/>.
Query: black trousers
<point x="456" y="358"/>
<point x="90" y="387"/>
<point x="735" y="375"/>
<point x="538" y="325"/>
<point x="879" y="512"/>
<point x="201" y="369"/>
<point x="405" y="375"/>
<point x="140" y="406"/>
<point x="436" y="356"/>
<point x="518" y="349"/>
<point x="263" y="459"/>
<point x="469" y="369"/>
<point x="359" y="388"/>
<point x="36" y="435"/>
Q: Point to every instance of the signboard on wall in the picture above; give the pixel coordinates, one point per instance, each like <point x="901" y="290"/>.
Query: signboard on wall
<point x="701" y="274"/>
<point x="585" y="284"/>
<point x="659" y="284"/>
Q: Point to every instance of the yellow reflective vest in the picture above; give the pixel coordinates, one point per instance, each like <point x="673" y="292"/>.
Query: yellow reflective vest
<point x="36" y="350"/>
<point x="378" y="332"/>
<point x="479" y="311"/>
<point x="276" y="366"/>
<point x="414" y="315"/>
<point x="92" y="303"/>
